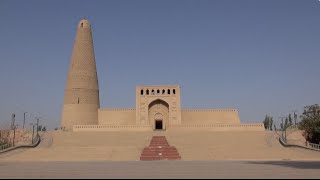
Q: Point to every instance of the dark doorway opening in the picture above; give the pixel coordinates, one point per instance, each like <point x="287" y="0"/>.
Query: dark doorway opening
<point x="158" y="125"/>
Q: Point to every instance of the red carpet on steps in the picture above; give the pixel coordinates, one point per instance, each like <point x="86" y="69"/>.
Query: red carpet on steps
<point x="159" y="149"/>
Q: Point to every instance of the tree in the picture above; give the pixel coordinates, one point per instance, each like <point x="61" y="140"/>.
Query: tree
<point x="39" y="128"/>
<point x="286" y="124"/>
<point x="310" y="123"/>
<point x="290" y="120"/>
<point x="268" y="122"/>
<point x="275" y="127"/>
<point x="295" y="117"/>
<point x="44" y="128"/>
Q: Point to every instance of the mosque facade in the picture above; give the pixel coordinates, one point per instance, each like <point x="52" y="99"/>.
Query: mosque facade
<point x="157" y="107"/>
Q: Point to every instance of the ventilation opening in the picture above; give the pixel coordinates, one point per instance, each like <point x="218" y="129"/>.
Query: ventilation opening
<point x="141" y="92"/>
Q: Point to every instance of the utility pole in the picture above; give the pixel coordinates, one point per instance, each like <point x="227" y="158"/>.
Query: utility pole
<point x="24" y="119"/>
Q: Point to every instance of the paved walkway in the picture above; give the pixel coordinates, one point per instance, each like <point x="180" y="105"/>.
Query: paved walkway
<point x="161" y="169"/>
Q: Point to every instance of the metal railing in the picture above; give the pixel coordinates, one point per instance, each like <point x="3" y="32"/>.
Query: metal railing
<point x="10" y="146"/>
<point x="5" y="146"/>
<point x="314" y="146"/>
<point x="35" y="139"/>
<point x="290" y="129"/>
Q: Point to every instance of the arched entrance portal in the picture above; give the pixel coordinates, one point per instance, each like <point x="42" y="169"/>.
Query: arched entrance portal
<point x="158" y="117"/>
<point x="158" y="114"/>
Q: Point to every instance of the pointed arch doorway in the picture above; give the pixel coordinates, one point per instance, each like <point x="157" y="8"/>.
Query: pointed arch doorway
<point x="158" y="121"/>
<point x="158" y="114"/>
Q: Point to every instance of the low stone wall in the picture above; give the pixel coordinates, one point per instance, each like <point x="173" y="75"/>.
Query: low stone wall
<point x="90" y="128"/>
<point x="221" y="127"/>
<point x="217" y="127"/>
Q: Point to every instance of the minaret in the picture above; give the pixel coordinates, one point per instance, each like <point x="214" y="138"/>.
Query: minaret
<point x="81" y="100"/>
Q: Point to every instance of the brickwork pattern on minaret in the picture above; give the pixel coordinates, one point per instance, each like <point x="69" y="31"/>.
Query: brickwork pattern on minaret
<point x="81" y="101"/>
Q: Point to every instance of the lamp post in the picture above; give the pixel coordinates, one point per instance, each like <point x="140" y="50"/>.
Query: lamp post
<point x="283" y="127"/>
<point x="37" y="125"/>
<point x="13" y="119"/>
<point x="32" y="132"/>
<point x="14" y="133"/>
<point x="295" y="117"/>
<point x="24" y="119"/>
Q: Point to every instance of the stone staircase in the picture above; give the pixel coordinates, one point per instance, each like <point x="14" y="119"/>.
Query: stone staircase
<point x="159" y="149"/>
<point x="148" y="146"/>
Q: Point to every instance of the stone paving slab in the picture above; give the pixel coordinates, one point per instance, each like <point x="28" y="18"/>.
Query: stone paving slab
<point x="161" y="169"/>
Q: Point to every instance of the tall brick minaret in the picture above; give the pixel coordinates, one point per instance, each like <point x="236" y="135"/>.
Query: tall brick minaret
<point x="81" y="100"/>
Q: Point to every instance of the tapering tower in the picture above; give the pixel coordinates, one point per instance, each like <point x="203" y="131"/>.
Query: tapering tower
<point x="81" y="100"/>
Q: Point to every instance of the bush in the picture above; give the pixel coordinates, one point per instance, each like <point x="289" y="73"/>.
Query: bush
<point x="310" y="123"/>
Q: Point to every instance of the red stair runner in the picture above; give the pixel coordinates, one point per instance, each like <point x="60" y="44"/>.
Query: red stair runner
<point x="159" y="149"/>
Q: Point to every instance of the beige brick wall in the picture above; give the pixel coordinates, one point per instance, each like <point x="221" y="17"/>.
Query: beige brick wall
<point x="117" y="116"/>
<point x="80" y="114"/>
<point x="220" y="127"/>
<point x="209" y="116"/>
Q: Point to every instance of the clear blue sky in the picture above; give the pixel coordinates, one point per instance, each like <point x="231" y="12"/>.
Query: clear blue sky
<point x="259" y="56"/>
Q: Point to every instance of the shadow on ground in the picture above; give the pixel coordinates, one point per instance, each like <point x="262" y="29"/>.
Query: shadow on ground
<point x="291" y="164"/>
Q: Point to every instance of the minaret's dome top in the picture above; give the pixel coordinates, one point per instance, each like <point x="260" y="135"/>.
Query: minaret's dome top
<point x="84" y="23"/>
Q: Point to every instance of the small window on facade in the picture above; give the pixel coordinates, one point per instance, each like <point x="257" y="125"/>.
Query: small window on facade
<point x="158" y="91"/>
<point x="152" y="92"/>
<point x="168" y="91"/>
<point x="81" y="24"/>
<point x="141" y="92"/>
<point x="163" y="91"/>
<point x="147" y="91"/>
<point x="174" y="91"/>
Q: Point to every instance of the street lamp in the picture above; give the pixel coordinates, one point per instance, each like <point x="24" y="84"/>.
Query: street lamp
<point x="283" y="127"/>
<point x="32" y="132"/>
<point x="14" y="133"/>
<point x="37" y="125"/>
<point x="24" y="118"/>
